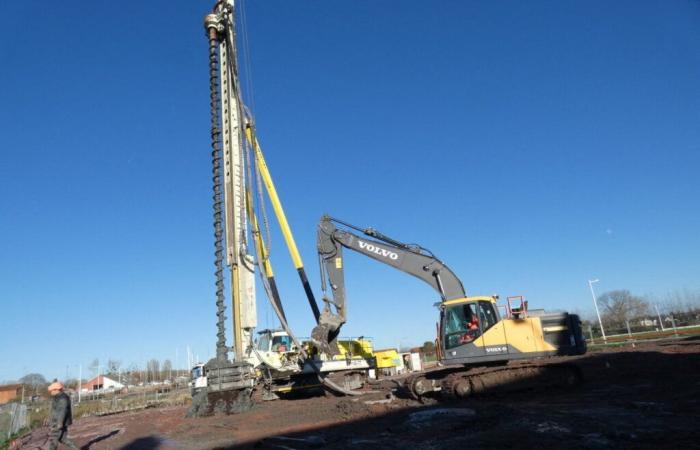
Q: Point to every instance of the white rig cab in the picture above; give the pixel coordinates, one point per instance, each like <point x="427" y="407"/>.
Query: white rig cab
<point x="197" y="378"/>
<point x="275" y="349"/>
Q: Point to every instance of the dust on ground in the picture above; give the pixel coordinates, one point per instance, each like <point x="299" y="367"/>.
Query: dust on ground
<point x="641" y="397"/>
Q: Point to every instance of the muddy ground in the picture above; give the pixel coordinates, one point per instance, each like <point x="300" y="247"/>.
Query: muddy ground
<point x="642" y="397"/>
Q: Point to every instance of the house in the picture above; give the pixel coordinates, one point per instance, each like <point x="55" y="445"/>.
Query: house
<point x="10" y="392"/>
<point x="99" y="383"/>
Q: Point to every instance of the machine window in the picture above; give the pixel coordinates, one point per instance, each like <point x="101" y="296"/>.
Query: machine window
<point x="487" y="315"/>
<point x="461" y="324"/>
<point x="281" y="343"/>
<point x="264" y="343"/>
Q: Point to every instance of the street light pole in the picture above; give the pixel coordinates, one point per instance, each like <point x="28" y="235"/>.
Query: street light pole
<point x="595" y="303"/>
<point x="661" y="324"/>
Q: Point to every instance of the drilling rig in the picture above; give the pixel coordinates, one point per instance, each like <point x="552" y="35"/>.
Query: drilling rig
<point x="240" y="179"/>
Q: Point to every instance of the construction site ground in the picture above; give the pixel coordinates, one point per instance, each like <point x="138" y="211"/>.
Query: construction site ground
<point x="632" y="397"/>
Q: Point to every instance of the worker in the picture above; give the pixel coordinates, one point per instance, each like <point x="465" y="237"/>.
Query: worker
<point x="474" y="323"/>
<point x="60" y="417"/>
<point x="472" y="327"/>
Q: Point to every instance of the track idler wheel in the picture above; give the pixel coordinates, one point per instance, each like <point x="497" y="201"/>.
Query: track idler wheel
<point x="462" y="388"/>
<point x="419" y="386"/>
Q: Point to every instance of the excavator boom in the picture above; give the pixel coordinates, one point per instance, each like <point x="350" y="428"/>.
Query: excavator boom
<point x="411" y="259"/>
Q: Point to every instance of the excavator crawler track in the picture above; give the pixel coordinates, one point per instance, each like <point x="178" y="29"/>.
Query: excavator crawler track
<point x="493" y="381"/>
<point x="511" y="379"/>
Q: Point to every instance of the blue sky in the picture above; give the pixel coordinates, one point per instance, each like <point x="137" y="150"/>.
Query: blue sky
<point x="531" y="145"/>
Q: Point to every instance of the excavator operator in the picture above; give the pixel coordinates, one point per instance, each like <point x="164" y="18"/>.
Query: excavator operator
<point x="471" y="325"/>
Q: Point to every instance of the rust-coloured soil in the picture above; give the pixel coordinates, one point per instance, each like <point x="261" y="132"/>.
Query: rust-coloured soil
<point x="642" y="397"/>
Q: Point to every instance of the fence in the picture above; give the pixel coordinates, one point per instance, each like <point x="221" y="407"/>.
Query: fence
<point x="13" y="418"/>
<point x="638" y="332"/>
<point x="106" y="402"/>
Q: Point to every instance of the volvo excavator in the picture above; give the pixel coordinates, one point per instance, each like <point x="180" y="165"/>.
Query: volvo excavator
<point x="471" y="332"/>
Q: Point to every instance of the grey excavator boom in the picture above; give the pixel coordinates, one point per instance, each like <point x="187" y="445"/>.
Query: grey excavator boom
<point x="411" y="259"/>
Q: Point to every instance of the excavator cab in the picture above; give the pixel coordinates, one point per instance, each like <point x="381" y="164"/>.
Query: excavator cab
<point x="464" y="321"/>
<point x="471" y="331"/>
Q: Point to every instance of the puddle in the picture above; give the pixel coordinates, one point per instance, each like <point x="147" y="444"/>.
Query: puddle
<point x="423" y="418"/>
<point x="312" y="441"/>
<point x="551" y="427"/>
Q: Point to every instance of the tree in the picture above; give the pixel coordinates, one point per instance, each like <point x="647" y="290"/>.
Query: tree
<point x="134" y="374"/>
<point x="153" y="368"/>
<point x="167" y="368"/>
<point x="95" y="366"/>
<point x="428" y="348"/>
<point x="33" y="380"/>
<point x="71" y="383"/>
<point x="681" y="300"/>
<point x="113" y="366"/>
<point x="620" y="306"/>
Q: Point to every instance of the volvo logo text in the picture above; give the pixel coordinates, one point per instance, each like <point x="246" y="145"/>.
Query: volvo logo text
<point x="378" y="250"/>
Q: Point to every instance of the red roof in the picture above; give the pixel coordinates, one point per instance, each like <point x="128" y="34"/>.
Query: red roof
<point x="10" y="387"/>
<point x="97" y="380"/>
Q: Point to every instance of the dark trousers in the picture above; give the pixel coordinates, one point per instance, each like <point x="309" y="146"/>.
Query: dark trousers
<point x="57" y="435"/>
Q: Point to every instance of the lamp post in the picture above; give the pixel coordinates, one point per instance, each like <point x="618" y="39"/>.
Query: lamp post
<point x="661" y="324"/>
<point x="595" y="303"/>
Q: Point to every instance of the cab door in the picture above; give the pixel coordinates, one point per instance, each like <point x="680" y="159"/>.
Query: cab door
<point x="458" y="342"/>
<point x="493" y="336"/>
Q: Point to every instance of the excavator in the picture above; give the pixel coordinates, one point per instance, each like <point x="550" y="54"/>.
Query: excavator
<point x="471" y="332"/>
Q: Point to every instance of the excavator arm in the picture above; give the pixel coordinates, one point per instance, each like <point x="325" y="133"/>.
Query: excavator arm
<point x="411" y="259"/>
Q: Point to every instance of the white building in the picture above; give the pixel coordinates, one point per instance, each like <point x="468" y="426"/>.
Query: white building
<point x="100" y="383"/>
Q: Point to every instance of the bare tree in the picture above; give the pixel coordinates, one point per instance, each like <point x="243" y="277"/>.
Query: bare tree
<point x="113" y="366"/>
<point x="33" y="379"/>
<point x="681" y="300"/>
<point x="167" y="368"/>
<point x="620" y="306"/>
<point x="153" y="368"/>
<point x="72" y="383"/>
<point x="134" y="374"/>
<point x="95" y="366"/>
<point x="682" y="306"/>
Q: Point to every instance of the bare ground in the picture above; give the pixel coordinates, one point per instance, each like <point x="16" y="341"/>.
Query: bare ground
<point x="642" y="397"/>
